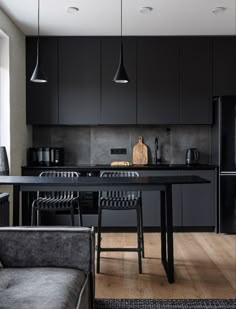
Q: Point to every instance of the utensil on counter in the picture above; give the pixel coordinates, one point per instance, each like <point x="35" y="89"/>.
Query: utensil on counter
<point x="192" y="156"/>
<point x="140" y="152"/>
<point x="157" y="158"/>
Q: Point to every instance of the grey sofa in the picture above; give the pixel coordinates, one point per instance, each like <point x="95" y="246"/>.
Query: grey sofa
<point x="46" y="268"/>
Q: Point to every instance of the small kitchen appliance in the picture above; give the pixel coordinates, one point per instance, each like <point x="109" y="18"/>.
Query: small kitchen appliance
<point x="192" y="156"/>
<point x="45" y="156"/>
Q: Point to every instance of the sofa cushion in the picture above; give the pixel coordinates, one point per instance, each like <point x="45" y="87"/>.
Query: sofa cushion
<point x="44" y="288"/>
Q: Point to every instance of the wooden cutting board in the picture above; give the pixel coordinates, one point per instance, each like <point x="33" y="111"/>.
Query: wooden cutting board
<point x="140" y="152"/>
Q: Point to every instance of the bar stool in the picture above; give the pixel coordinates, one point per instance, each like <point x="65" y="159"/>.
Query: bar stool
<point x="56" y="201"/>
<point x="121" y="200"/>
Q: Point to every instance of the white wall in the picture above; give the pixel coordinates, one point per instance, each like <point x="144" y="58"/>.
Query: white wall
<point x="4" y="92"/>
<point x="20" y="134"/>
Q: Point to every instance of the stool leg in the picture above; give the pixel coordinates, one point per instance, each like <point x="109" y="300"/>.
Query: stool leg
<point x="38" y="217"/>
<point x="139" y="240"/>
<point x="99" y="238"/>
<point x="32" y="215"/>
<point x="80" y="217"/>
<point x="72" y="215"/>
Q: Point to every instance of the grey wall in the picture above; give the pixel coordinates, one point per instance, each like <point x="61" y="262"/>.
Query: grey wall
<point x="91" y="145"/>
<point x="20" y="134"/>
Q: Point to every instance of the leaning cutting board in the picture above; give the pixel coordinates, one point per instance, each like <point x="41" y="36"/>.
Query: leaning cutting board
<point x="140" y="152"/>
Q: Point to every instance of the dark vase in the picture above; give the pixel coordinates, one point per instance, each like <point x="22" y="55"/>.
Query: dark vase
<point x="4" y="166"/>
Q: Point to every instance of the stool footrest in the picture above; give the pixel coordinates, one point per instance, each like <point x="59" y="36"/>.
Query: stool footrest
<point x="119" y="249"/>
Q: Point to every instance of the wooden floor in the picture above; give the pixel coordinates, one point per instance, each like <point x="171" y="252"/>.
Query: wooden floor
<point x="205" y="267"/>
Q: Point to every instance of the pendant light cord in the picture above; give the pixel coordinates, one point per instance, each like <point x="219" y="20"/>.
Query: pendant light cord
<point x="38" y="17"/>
<point x="121" y="11"/>
<point x="38" y="34"/>
<point x="121" y="32"/>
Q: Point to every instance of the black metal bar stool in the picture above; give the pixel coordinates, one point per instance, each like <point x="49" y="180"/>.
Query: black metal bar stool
<point x="121" y="200"/>
<point x="56" y="201"/>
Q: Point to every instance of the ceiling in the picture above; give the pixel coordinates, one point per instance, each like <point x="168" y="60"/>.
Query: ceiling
<point x="102" y="17"/>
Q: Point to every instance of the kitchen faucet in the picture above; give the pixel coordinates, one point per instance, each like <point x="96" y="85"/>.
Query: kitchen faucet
<point x="157" y="152"/>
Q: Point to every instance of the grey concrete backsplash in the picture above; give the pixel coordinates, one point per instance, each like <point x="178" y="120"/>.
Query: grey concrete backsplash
<point x="92" y="145"/>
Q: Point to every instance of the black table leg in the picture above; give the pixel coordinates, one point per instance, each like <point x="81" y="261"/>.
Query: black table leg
<point x="167" y="228"/>
<point x="16" y="205"/>
<point x="163" y="226"/>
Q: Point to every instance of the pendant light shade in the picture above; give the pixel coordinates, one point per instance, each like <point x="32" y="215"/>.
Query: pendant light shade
<point x="4" y="165"/>
<point x="38" y="75"/>
<point x="121" y="75"/>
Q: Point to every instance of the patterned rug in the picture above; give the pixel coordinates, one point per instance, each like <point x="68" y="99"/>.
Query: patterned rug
<point x="165" y="303"/>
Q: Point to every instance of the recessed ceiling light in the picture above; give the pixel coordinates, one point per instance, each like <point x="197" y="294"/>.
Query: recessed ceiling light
<point x="218" y="9"/>
<point x="72" y="9"/>
<point x="145" y="9"/>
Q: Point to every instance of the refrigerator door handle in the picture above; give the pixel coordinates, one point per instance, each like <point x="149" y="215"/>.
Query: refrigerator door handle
<point x="233" y="173"/>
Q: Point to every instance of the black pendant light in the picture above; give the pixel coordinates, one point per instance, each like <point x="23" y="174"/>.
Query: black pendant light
<point x="121" y="75"/>
<point x="38" y="75"/>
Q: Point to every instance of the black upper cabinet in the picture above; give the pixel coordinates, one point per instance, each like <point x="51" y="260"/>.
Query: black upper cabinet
<point x="196" y="81"/>
<point x="79" y="80"/>
<point x="42" y="98"/>
<point x="157" y="81"/>
<point x="118" y="100"/>
<point x="224" y="66"/>
<point x="170" y="80"/>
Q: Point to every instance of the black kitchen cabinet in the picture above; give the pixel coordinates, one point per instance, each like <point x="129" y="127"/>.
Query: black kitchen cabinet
<point x="157" y="80"/>
<point x="152" y="203"/>
<point x="199" y="201"/>
<point x="118" y="100"/>
<point x="196" y="81"/>
<point x="224" y="66"/>
<point x="170" y="80"/>
<point x="79" y="81"/>
<point x="42" y="98"/>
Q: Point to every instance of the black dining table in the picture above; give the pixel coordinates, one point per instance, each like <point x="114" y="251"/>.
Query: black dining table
<point x="145" y="183"/>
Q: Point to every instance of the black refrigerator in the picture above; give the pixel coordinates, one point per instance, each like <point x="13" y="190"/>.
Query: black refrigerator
<point x="225" y="141"/>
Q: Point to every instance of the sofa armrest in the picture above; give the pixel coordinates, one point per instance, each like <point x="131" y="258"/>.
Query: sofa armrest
<point x="68" y="247"/>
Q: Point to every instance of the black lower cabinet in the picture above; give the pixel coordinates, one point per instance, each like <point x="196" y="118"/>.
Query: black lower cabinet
<point x="152" y="202"/>
<point x="199" y="201"/>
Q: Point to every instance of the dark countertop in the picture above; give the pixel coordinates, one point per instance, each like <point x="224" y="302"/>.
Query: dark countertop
<point x="98" y="167"/>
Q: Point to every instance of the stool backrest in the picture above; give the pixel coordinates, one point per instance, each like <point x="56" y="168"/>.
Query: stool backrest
<point x="59" y="194"/>
<point x="120" y="194"/>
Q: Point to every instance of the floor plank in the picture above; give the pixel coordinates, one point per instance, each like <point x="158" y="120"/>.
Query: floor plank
<point x="205" y="267"/>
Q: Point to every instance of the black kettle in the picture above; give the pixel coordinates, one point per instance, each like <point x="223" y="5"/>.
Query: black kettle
<point x="192" y="156"/>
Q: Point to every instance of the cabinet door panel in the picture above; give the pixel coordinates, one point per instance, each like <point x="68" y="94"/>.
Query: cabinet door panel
<point x="196" y="81"/>
<point x="42" y="98"/>
<point x="199" y="201"/>
<point x="157" y="81"/>
<point x="151" y="201"/>
<point x="79" y="81"/>
<point x="118" y="100"/>
<point x="224" y="66"/>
